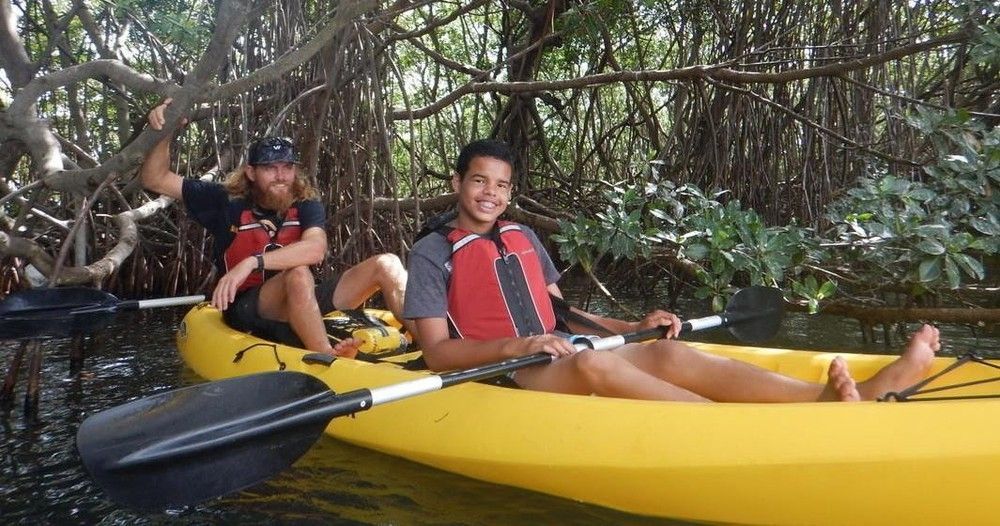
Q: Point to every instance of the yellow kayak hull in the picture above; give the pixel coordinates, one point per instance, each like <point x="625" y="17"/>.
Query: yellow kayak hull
<point x="930" y="462"/>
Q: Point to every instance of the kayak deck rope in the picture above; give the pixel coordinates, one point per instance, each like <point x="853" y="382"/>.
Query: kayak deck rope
<point x="273" y="347"/>
<point x="917" y="389"/>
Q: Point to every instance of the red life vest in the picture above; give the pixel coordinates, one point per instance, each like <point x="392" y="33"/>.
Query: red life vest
<point x="255" y="236"/>
<point x="497" y="287"/>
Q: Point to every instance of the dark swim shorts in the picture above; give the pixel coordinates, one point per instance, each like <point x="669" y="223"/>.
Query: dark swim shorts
<point x="242" y="314"/>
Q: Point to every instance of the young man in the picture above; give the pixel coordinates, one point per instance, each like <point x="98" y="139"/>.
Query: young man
<point x="268" y="227"/>
<point x="479" y="293"/>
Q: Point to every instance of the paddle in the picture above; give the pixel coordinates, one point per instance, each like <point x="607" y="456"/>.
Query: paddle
<point x="185" y="446"/>
<point x="66" y="311"/>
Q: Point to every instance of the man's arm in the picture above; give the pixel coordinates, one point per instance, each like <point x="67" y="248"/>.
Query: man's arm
<point x="309" y="250"/>
<point x="444" y="353"/>
<point x="155" y="173"/>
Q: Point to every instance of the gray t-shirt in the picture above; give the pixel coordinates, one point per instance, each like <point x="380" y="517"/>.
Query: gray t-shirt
<point x="429" y="269"/>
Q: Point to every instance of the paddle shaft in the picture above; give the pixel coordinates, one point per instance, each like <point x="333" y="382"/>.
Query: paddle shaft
<point x="381" y="395"/>
<point x="722" y="320"/>
<point x="141" y="304"/>
<point x="103" y="303"/>
<point x="68" y="311"/>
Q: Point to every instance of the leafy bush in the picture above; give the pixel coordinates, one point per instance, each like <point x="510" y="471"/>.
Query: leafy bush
<point x="726" y="242"/>
<point x="931" y="234"/>
<point x="924" y="235"/>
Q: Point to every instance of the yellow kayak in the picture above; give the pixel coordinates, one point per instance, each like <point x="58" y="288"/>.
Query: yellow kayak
<point x="920" y="462"/>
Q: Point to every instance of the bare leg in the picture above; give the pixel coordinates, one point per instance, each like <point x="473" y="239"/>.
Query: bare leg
<point x="911" y="367"/>
<point x="725" y="380"/>
<point x="290" y="296"/>
<point x="382" y="272"/>
<point x="601" y="373"/>
<point x="715" y="377"/>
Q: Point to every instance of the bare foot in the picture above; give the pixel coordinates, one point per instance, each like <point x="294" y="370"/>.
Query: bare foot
<point x="347" y="348"/>
<point x="840" y="385"/>
<point x="911" y="367"/>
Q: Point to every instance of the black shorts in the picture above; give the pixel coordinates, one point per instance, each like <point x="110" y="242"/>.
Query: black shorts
<point x="242" y="314"/>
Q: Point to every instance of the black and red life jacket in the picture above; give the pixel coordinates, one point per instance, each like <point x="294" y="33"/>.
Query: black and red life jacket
<point x="255" y="235"/>
<point x="497" y="287"/>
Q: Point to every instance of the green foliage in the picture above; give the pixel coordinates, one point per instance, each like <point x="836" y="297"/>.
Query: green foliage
<point x="183" y="25"/>
<point x="925" y="235"/>
<point x="726" y="242"/>
<point x="731" y="244"/>
<point x="928" y="234"/>
<point x="987" y="48"/>
<point x="621" y="231"/>
<point x="813" y="291"/>
<point x="986" y="38"/>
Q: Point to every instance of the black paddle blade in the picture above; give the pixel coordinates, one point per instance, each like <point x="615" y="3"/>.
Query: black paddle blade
<point x="49" y="311"/>
<point x="53" y="299"/>
<point x="755" y="313"/>
<point x="188" y="445"/>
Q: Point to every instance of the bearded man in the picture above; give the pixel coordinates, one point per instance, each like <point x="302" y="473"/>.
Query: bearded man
<point x="268" y="227"/>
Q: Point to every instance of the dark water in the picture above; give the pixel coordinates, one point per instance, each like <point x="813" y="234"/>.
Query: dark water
<point x="43" y="482"/>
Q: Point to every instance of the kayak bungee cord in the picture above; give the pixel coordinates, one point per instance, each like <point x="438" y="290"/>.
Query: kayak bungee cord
<point x="906" y="395"/>
<point x="266" y="345"/>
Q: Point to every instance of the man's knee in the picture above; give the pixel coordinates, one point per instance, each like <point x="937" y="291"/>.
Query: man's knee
<point x="388" y="262"/>
<point x="299" y="280"/>
<point x="388" y="266"/>
<point x="595" y="367"/>
<point x="671" y="356"/>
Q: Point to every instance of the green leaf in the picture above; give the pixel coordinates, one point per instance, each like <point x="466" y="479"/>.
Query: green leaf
<point x="985" y="226"/>
<point x="929" y="269"/>
<point x="960" y="242"/>
<point x="718" y="303"/>
<point x="922" y="194"/>
<point x="970" y="265"/>
<point x="827" y="290"/>
<point x="660" y="214"/>
<point x="696" y="251"/>
<point x="894" y="186"/>
<point x="951" y="271"/>
<point x="931" y="247"/>
<point x="931" y="230"/>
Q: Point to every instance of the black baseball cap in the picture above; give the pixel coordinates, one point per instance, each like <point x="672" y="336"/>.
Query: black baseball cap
<point x="272" y="150"/>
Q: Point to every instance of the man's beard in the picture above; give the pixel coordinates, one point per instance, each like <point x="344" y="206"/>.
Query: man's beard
<point x="279" y="203"/>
